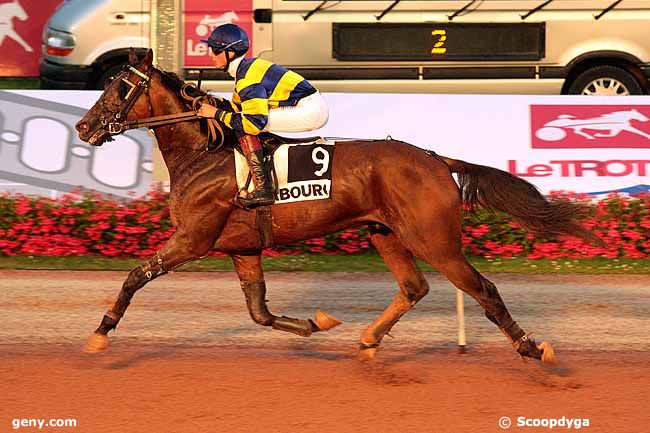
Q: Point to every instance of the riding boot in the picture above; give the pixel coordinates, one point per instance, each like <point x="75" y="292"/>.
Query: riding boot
<point x="262" y="194"/>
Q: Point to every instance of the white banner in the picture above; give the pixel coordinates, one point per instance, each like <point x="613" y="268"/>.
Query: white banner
<point x="41" y="153"/>
<point x="572" y="143"/>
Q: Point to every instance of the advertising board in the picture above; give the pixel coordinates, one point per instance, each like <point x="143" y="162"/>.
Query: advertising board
<point x="571" y="143"/>
<point x="202" y="16"/>
<point x="21" y="27"/>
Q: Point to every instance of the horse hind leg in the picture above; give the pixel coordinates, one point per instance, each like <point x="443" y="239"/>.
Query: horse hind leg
<point x="249" y="270"/>
<point x="464" y="276"/>
<point x="413" y="287"/>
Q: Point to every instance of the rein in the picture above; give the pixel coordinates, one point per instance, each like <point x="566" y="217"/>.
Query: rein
<point x="117" y="127"/>
<point x="150" y="122"/>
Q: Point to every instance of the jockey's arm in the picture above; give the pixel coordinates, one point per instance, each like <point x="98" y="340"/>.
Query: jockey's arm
<point x="254" y="113"/>
<point x="228" y="105"/>
<point x="223" y="104"/>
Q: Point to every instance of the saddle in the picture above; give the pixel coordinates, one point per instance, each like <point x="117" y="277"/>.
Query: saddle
<point x="270" y="143"/>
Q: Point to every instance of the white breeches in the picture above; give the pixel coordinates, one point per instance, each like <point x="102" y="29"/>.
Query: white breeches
<point x="310" y="113"/>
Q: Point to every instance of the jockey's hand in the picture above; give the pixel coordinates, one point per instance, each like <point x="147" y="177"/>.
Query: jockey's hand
<point x="206" y="110"/>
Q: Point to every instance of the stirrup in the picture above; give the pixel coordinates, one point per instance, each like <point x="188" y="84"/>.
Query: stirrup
<point x="250" y="201"/>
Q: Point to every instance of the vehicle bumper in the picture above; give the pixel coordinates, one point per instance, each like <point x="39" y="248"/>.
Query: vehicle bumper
<point x="57" y="76"/>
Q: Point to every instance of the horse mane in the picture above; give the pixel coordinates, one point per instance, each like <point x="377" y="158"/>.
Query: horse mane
<point x="175" y="83"/>
<point x="192" y="97"/>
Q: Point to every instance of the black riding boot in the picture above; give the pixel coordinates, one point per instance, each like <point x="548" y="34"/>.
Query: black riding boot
<point x="262" y="195"/>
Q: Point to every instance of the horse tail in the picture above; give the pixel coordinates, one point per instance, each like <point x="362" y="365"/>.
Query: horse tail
<point x="499" y="190"/>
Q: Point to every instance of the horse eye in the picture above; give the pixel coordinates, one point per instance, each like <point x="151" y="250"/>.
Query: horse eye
<point x="108" y="82"/>
<point x="123" y="89"/>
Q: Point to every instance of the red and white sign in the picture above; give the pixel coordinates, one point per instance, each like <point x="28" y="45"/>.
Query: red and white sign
<point x="21" y="28"/>
<point x="202" y="16"/>
<point x="590" y="126"/>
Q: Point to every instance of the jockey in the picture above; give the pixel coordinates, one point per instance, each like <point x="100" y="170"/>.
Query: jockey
<point x="267" y="97"/>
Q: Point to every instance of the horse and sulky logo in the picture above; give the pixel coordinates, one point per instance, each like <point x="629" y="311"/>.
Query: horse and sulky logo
<point x="21" y="28"/>
<point x="590" y="126"/>
<point x="9" y="11"/>
<point x="203" y="30"/>
<point x="200" y="17"/>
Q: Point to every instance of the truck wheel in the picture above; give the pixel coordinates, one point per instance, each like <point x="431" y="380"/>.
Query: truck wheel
<point x="605" y="81"/>
<point x="106" y="75"/>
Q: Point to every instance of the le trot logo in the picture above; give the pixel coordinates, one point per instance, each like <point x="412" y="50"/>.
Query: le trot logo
<point x="590" y="126"/>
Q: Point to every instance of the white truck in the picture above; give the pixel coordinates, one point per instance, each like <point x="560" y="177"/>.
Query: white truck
<point x="598" y="47"/>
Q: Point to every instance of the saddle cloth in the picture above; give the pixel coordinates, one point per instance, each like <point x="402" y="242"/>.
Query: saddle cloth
<point x="303" y="171"/>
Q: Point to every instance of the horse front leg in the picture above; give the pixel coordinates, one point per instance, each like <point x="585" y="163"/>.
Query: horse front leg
<point x="179" y="249"/>
<point x="251" y="276"/>
<point x="614" y="131"/>
<point x="630" y="128"/>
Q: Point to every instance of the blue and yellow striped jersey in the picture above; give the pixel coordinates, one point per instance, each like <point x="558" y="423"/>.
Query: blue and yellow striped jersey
<point x="259" y="86"/>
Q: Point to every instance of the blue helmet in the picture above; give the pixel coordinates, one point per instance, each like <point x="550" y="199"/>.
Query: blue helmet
<point x="228" y="37"/>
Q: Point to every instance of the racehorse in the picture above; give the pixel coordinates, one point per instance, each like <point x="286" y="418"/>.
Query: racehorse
<point x="405" y="195"/>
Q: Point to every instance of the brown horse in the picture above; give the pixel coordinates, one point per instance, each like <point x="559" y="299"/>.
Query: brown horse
<point x="405" y="195"/>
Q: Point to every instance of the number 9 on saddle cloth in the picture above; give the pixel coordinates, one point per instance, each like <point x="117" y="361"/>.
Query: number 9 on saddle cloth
<point x="301" y="171"/>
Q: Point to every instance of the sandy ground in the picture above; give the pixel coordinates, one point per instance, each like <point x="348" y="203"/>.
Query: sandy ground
<point x="187" y="358"/>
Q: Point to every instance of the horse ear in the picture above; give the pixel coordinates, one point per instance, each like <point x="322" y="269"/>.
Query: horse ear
<point x="133" y="57"/>
<point x="148" y="59"/>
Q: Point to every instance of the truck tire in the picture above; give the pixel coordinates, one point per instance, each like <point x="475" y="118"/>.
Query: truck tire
<point x="605" y="81"/>
<point x="108" y="73"/>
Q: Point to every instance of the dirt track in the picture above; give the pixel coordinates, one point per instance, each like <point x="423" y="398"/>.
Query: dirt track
<point x="187" y="358"/>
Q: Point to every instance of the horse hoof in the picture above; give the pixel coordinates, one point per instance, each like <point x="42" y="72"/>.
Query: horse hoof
<point x="367" y="351"/>
<point x="97" y="343"/>
<point x="367" y="354"/>
<point x="325" y="322"/>
<point x="548" y="353"/>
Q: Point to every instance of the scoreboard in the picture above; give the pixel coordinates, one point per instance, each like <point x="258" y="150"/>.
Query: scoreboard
<point x="438" y="41"/>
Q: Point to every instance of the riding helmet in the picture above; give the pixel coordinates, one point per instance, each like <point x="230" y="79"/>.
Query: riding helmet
<point x="228" y="37"/>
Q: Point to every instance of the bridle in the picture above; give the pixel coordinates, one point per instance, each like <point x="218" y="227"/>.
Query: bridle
<point x="117" y="126"/>
<point x="120" y="124"/>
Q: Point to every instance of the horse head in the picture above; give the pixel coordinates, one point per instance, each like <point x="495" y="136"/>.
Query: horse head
<point x="125" y="98"/>
<point x="637" y="115"/>
<point x="16" y="10"/>
<point x="129" y="100"/>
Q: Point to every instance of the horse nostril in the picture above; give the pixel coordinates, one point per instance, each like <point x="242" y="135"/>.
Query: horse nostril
<point x="82" y="126"/>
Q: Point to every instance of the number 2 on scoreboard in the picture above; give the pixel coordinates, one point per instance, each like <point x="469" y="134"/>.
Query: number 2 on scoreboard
<point x="439" y="46"/>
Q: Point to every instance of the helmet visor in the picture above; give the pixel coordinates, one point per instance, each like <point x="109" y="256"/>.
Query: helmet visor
<point x="218" y="48"/>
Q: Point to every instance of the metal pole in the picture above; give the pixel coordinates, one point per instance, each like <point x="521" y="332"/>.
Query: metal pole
<point x="460" y="317"/>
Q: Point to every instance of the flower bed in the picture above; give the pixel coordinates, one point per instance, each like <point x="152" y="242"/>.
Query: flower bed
<point x="70" y="226"/>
